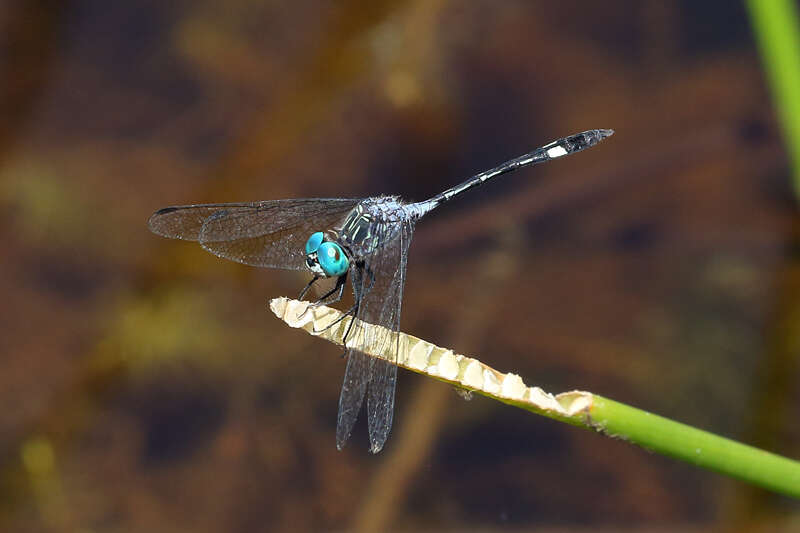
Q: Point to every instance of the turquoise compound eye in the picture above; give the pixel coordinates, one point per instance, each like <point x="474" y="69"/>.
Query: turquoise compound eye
<point x="332" y="259"/>
<point x="313" y="242"/>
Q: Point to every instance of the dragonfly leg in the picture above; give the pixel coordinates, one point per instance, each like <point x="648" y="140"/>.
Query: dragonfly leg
<point x="354" y="309"/>
<point x="351" y="311"/>
<point x="340" y="282"/>
<point x="303" y="293"/>
<point x="308" y="286"/>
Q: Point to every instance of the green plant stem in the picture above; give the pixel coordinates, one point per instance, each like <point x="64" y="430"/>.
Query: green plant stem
<point x="578" y="408"/>
<point x="777" y="32"/>
<point x="695" y="446"/>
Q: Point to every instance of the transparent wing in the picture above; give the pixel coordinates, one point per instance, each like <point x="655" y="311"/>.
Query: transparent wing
<point x="265" y="234"/>
<point x="381" y="302"/>
<point x="356" y="374"/>
<point x="389" y="299"/>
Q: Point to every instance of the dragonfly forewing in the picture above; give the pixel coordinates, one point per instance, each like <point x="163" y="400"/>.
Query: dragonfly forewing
<point x="265" y="234"/>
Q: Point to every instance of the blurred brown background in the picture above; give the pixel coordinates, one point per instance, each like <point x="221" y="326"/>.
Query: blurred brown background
<point x="146" y="387"/>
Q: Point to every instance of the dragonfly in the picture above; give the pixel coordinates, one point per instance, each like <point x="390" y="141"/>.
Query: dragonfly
<point x="365" y="240"/>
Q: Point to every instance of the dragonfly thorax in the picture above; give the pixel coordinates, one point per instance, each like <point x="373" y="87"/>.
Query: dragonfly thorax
<point x="372" y="224"/>
<point x="325" y="258"/>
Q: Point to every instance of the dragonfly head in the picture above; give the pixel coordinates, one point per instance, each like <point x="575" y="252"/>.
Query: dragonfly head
<point x="325" y="258"/>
